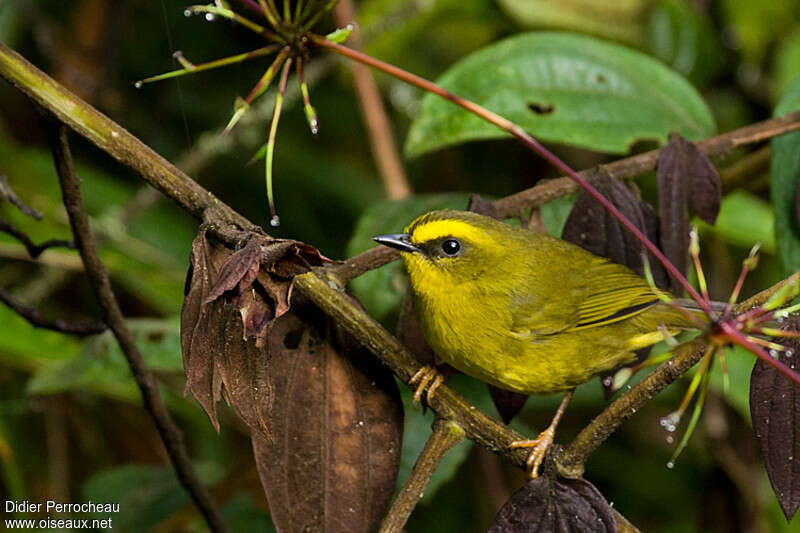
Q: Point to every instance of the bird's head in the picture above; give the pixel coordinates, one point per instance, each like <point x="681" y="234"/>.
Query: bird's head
<point x="451" y="247"/>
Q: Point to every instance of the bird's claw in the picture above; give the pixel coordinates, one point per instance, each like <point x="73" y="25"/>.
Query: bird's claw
<point x="427" y="379"/>
<point x="539" y="447"/>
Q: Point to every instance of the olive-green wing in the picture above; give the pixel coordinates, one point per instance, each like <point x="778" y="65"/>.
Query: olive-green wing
<point x="614" y="293"/>
<point x="597" y="294"/>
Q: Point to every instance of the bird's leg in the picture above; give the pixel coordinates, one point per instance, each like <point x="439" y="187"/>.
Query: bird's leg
<point x="427" y="377"/>
<point x="541" y="444"/>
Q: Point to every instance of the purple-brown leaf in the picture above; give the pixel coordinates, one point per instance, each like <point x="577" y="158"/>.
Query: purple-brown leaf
<point x="686" y="177"/>
<point x="231" y="298"/>
<point x="325" y="420"/>
<point x="775" y="410"/>
<point x="562" y="505"/>
<point x="336" y="423"/>
<point x="238" y="270"/>
<point x="593" y="228"/>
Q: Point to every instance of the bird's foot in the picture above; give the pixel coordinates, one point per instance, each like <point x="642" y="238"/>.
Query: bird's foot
<point x="539" y="447"/>
<point x="427" y="379"/>
<point x="542" y="443"/>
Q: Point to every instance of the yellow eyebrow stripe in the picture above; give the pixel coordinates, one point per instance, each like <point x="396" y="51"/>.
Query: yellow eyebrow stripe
<point x="436" y="229"/>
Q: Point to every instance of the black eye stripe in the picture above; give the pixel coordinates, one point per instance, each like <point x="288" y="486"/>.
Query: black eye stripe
<point x="451" y="247"/>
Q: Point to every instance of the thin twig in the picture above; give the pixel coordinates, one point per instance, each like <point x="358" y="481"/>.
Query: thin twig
<point x="7" y="193"/>
<point x="34" y="250"/>
<point x="373" y="112"/>
<point x="446" y="434"/>
<point x="37" y="320"/>
<point x="112" y="316"/>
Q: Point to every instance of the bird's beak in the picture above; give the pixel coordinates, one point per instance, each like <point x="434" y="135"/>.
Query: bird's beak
<point x="401" y="241"/>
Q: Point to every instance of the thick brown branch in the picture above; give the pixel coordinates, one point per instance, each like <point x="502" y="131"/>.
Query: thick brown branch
<point x="630" y="167"/>
<point x="327" y="293"/>
<point x="37" y="320"/>
<point x="112" y="316"/>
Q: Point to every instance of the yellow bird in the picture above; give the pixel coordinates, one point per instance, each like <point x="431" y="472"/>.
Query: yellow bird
<point x="524" y="311"/>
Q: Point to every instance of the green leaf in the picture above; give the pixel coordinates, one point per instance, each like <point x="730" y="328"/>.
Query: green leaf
<point x="785" y="175"/>
<point x="563" y="88"/>
<point x="555" y="213"/>
<point x="147" y="495"/>
<point x="745" y="220"/>
<point x="755" y="25"/>
<point x="381" y="290"/>
<point x="340" y="35"/>
<point x="786" y="63"/>
<point x="684" y="38"/>
<point x="101" y="367"/>
<point x="620" y="20"/>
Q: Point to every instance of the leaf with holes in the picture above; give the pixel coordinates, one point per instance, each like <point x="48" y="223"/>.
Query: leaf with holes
<point x="775" y="410"/>
<point x="562" y="505"/>
<point x="686" y="177"/>
<point x="563" y="88"/>
<point x="331" y="459"/>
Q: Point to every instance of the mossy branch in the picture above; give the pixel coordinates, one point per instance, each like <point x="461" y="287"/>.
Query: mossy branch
<point x="325" y="287"/>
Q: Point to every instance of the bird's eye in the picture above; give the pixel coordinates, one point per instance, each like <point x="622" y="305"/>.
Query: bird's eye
<point x="451" y="247"/>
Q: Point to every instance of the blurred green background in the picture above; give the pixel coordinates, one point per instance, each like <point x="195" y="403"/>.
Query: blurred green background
<point x="71" y="425"/>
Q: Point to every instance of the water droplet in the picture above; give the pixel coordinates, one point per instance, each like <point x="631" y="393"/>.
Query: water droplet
<point x="789" y="353"/>
<point x="670" y="422"/>
<point x="210" y="17"/>
<point x="670" y="464"/>
<point x="275" y="221"/>
<point x="607" y="381"/>
<point x="773" y="352"/>
<point x="138" y="84"/>
<point x="670" y="439"/>
<point x="188" y="12"/>
<point x="360" y="422"/>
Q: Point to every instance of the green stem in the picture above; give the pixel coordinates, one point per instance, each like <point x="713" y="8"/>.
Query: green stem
<point x="273" y="131"/>
<point x="211" y="64"/>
